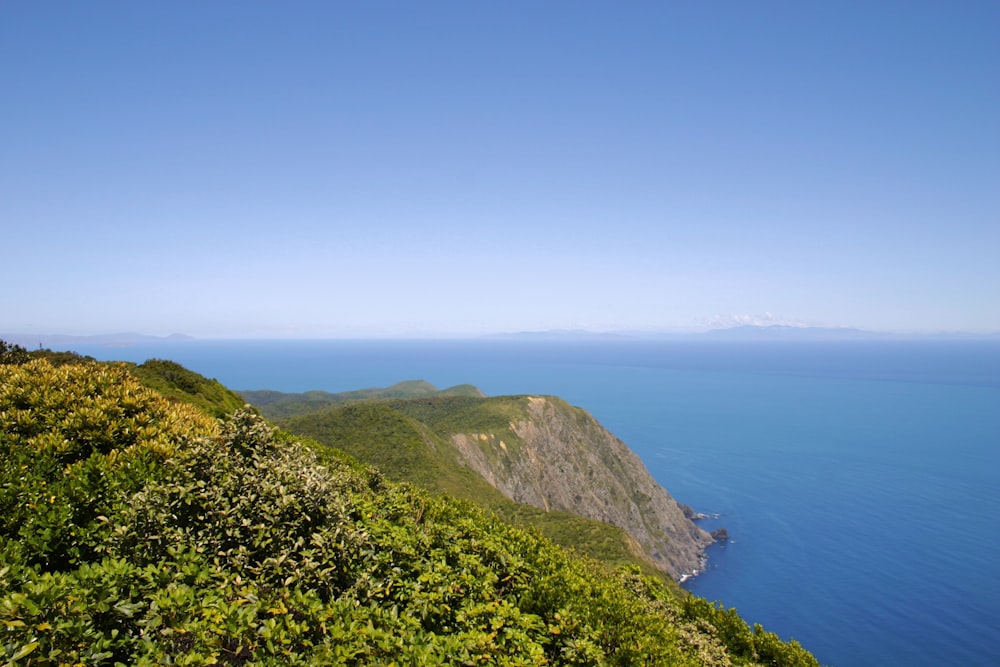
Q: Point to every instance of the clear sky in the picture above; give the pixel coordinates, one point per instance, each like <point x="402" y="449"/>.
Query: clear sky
<point x="421" y="168"/>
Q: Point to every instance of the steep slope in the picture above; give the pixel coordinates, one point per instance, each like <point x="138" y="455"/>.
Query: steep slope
<point x="407" y="450"/>
<point x="138" y="530"/>
<point x="400" y="446"/>
<point x="561" y="458"/>
<point x="536" y="451"/>
<point x="543" y="452"/>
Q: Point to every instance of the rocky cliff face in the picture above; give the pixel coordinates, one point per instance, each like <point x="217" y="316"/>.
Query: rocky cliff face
<point x="560" y="458"/>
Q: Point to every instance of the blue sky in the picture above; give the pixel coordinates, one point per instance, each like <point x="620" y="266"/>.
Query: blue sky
<point x="441" y="168"/>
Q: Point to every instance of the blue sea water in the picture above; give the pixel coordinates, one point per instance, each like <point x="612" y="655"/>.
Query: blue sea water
<point x="858" y="480"/>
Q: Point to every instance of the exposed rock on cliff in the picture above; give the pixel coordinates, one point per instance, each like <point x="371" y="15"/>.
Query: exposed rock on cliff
<point x="559" y="457"/>
<point x="536" y="451"/>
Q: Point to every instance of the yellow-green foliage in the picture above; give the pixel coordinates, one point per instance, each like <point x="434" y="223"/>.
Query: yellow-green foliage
<point x="72" y="438"/>
<point x="179" y="541"/>
<point x="79" y="410"/>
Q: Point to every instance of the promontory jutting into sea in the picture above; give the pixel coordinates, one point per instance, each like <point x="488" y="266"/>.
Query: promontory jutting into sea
<point x="850" y="476"/>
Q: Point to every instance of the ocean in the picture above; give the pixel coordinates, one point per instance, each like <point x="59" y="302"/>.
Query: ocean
<point x="858" y="480"/>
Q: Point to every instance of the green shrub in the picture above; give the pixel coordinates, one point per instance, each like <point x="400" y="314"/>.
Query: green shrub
<point x="137" y="531"/>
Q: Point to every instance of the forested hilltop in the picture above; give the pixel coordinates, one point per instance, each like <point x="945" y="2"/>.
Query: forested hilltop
<point x="138" y="528"/>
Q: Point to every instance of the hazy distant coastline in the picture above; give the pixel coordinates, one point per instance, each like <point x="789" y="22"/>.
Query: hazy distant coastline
<point x="34" y="341"/>
<point x="741" y="333"/>
<point x="749" y="332"/>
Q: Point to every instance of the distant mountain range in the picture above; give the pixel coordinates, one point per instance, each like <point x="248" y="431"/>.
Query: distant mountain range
<point x="747" y="332"/>
<point x="739" y="333"/>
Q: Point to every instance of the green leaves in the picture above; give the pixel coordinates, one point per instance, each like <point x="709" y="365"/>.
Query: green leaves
<point x="134" y="531"/>
<point x="16" y="653"/>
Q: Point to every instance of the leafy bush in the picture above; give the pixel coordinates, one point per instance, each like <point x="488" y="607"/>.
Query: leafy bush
<point x="137" y="531"/>
<point x="74" y="440"/>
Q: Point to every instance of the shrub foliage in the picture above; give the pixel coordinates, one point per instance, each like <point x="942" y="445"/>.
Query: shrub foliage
<point x="138" y="531"/>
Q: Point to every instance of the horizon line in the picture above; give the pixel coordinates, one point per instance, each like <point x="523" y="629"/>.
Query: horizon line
<point x="787" y="331"/>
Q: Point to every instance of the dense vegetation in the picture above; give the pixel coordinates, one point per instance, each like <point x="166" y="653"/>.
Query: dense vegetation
<point x="276" y="404"/>
<point x="408" y="450"/>
<point x="176" y="382"/>
<point x="139" y="530"/>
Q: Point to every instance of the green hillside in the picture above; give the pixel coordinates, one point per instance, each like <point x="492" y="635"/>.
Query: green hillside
<point x="276" y="404"/>
<point x="406" y="450"/>
<point x="139" y="530"/>
<point x="400" y="446"/>
<point x="174" y="381"/>
<point x="536" y="461"/>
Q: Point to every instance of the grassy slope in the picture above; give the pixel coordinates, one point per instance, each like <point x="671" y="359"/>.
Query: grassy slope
<point x="406" y="450"/>
<point x="137" y="530"/>
<point x="174" y="381"/>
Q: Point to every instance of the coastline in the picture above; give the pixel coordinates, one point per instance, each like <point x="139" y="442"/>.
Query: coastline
<point x="720" y="537"/>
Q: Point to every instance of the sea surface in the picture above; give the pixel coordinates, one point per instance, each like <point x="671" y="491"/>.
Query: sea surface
<point x="859" y="481"/>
